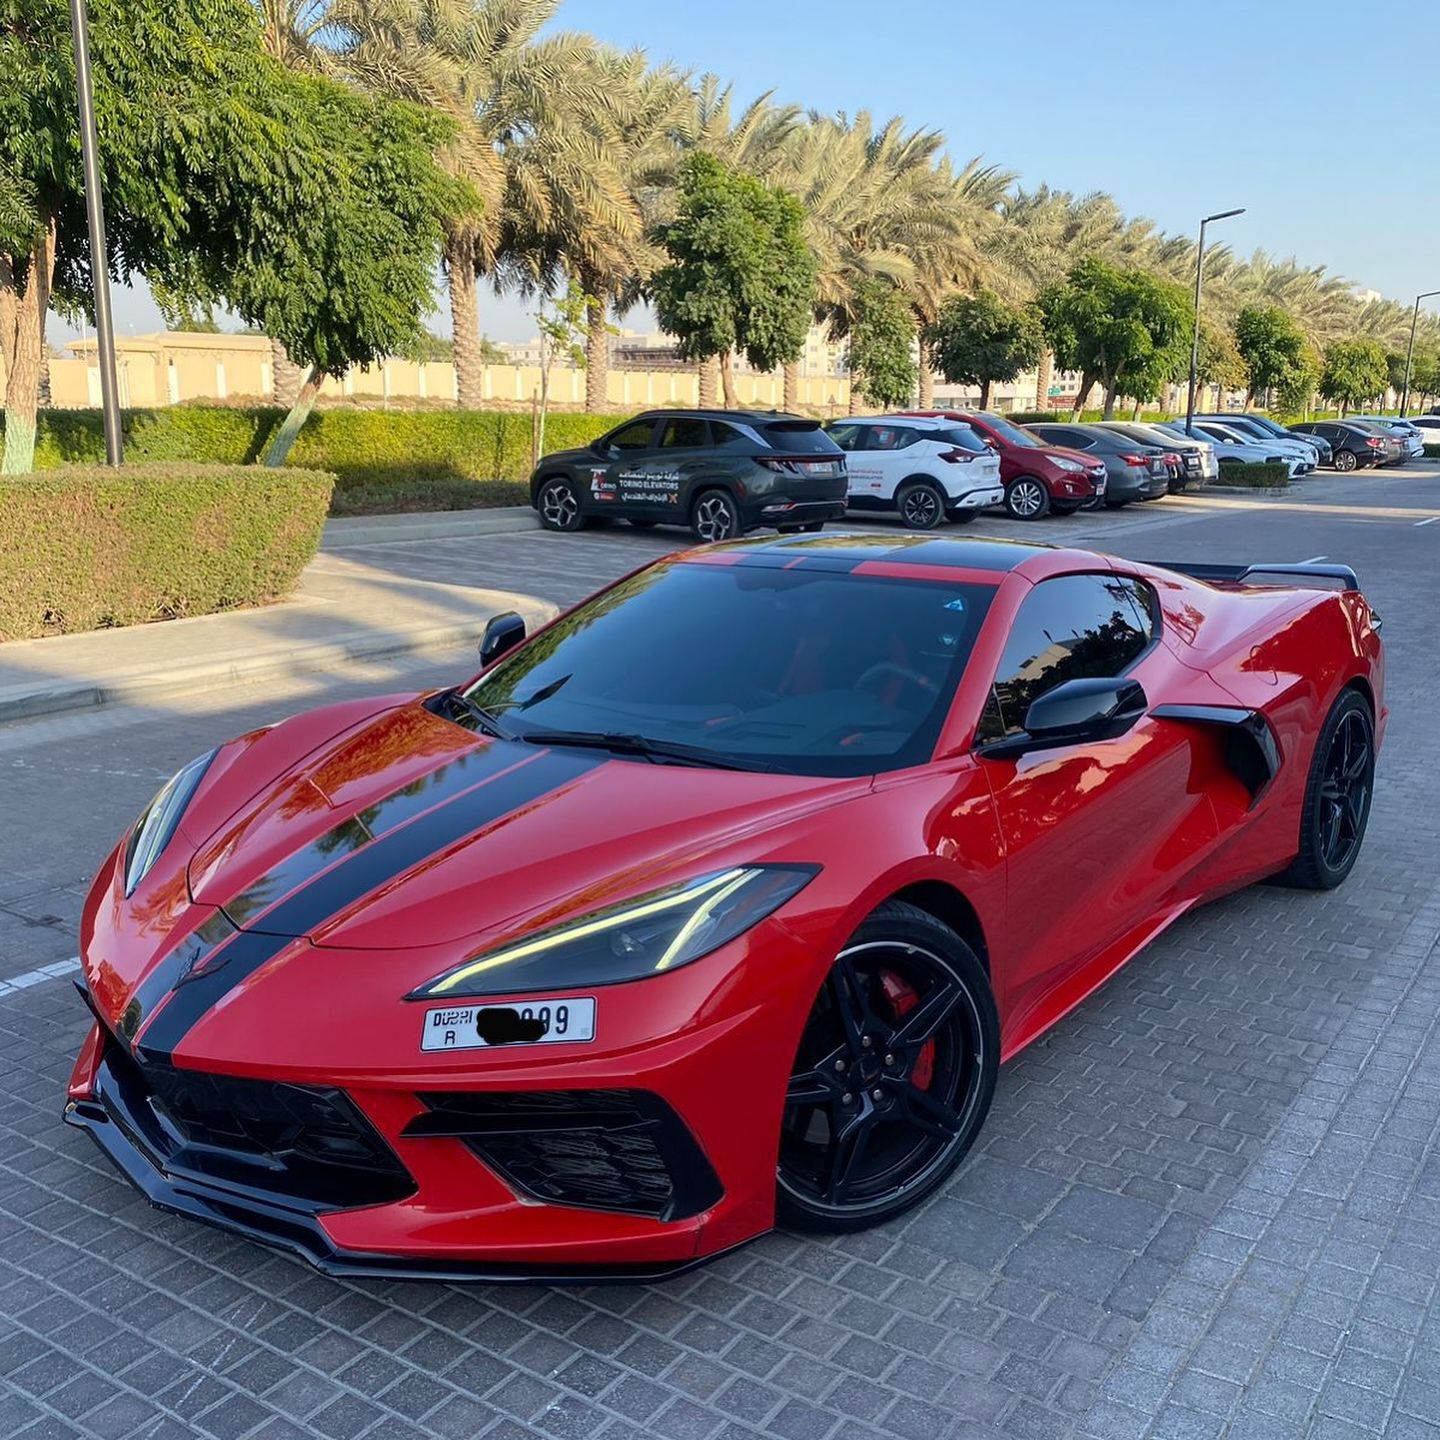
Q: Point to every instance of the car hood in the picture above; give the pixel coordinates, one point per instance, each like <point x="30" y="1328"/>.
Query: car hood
<point x="561" y="458"/>
<point x="410" y="831"/>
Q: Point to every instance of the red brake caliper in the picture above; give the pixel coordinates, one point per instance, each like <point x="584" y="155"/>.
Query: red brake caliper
<point x="903" y="1000"/>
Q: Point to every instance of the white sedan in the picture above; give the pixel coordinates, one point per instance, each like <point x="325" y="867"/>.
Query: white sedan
<point x="925" y="470"/>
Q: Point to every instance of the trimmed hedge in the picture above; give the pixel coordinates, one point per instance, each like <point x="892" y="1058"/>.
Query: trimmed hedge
<point x="93" y="547"/>
<point x="1432" y="452"/>
<point x="1262" y="475"/>
<point x="382" y="460"/>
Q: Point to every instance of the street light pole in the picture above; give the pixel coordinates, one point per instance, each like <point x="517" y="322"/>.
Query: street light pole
<point x="1195" y="338"/>
<point x="1410" y="353"/>
<point x="95" y="213"/>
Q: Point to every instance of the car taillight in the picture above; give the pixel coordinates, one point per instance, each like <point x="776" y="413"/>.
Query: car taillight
<point x="778" y="462"/>
<point x="1136" y="460"/>
<point x="1375" y="442"/>
<point x="958" y="457"/>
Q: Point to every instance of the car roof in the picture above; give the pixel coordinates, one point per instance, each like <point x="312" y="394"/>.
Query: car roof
<point x="923" y="422"/>
<point x="839" y="550"/>
<point x="762" y="417"/>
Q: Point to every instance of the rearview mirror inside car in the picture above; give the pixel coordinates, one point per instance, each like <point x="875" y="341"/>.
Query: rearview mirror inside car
<point x="1075" y="713"/>
<point x="503" y="632"/>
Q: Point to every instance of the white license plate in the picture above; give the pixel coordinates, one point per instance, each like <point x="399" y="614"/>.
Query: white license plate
<point x="568" y="1020"/>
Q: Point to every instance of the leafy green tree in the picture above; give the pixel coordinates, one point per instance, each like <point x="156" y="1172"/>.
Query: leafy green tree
<point x="1272" y="346"/>
<point x="562" y="321"/>
<point x="980" y="339"/>
<point x="1124" y="329"/>
<point x="1354" y="372"/>
<point x="1425" y="373"/>
<point x="1297" y="390"/>
<point x="882" y="369"/>
<point x="302" y="206"/>
<point x="740" y="275"/>
<point x="1221" y="362"/>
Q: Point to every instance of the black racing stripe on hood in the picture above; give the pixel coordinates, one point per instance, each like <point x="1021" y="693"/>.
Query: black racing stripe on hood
<point x="197" y="950"/>
<point x="356" y="876"/>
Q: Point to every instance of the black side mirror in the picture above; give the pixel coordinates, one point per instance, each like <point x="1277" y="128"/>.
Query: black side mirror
<point x="1075" y="713"/>
<point x="504" y="632"/>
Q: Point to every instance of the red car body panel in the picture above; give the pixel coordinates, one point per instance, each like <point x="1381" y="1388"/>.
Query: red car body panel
<point x="1068" y="861"/>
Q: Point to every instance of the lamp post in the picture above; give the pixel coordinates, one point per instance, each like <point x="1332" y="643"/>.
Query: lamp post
<point x="95" y="213"/>
<point x="1195" y="339"/>
<point x="1410" y="353"/>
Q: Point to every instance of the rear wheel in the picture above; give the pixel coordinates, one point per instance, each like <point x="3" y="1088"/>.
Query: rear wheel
<point x="921" y="504"/>
<point x="1026" y="498"/>
<point x="1345" y="460"/>
<point x="559" y="505"/>
<point x="1337" y="797"/>
<point x="893" y="1077"/>
<point x="714" y="516"/>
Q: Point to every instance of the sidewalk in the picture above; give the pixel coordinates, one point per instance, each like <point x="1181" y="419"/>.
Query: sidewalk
<point x="344" y="610"/>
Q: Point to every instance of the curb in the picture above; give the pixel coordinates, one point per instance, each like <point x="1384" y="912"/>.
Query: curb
<point x="355" y="530"/>
<point x="1238" y="489"/>
<point x="28" y="701"/>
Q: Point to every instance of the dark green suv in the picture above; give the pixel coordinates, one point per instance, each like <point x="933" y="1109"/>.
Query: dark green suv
<point x="720" y="472"/>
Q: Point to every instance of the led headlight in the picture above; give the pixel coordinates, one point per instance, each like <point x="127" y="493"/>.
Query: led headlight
<point x="159" y="819"/>
<point x="645" y="936"/>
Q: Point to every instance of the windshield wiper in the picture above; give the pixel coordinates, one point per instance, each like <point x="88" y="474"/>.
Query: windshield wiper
<point x="658" y="752"/>
<point x="482" y="719"/>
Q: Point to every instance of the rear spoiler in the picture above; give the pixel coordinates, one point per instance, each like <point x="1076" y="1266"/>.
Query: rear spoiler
<point x="1264" y="573"/>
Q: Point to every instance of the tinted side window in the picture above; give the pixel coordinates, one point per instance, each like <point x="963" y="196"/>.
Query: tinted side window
<point x="1076" y="627"/>
<point x="887" y="437"/>
<point x="638" y="436"/>
<point x="848" y="437"/>
<point x="962" y="437"/>
<point x="685" y="434"/>
<point x="728" y="435"/>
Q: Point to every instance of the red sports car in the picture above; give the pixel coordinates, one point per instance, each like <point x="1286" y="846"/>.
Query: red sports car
<point x="716" y="903"/>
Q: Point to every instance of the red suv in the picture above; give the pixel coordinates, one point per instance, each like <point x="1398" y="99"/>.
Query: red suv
<point x="1039" y="479"/>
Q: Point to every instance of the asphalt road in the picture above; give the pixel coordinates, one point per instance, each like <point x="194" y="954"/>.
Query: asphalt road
<point x="1208" y="1203"/>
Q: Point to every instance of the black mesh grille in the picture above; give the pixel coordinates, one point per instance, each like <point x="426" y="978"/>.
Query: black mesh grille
<point x="296" y="1142"/>
<point x="623" y="1150"/>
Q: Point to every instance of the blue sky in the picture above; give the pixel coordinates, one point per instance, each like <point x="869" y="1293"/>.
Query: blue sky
<point x="1321" y="117"/>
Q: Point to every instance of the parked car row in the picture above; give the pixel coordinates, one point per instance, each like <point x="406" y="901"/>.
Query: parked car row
<point x="723" y="472"/>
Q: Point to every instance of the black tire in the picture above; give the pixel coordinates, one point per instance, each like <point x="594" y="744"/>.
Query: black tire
<point x="1345" y="461"/>
<point x="920" y="503"/>
<point x="854" y="1096"/>
<point x="1338" y="792"/>
<point x="1026" y="498"/>
<point x="559" y="505"/>
<point x="1064" y="509"/>
<point x="714" y="516"/>
<point x="812" y="527"/>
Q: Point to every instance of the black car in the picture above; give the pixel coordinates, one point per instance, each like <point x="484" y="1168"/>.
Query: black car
<point x="1353" y="446"/>
<point x="1133" y="471"/>
<point x="721" y="472"/>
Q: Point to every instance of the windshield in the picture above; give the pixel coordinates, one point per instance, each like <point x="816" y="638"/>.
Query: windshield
<point x="807" y="671"/>
<point x="1013" y="433"/>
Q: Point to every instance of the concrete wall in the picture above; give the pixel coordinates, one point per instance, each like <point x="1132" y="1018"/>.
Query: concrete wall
<point x="172" y="368"/>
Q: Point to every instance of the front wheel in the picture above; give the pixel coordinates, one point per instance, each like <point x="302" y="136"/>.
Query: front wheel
<point x="1337" y="797"/>
<point x="715" y="516"/>
<point x="1027" y="499"/>
<point x="1345" y="461"/>
<point x="921" y="505"/>
<point x="893" y="1077"/>
<point x="559" y="505"/>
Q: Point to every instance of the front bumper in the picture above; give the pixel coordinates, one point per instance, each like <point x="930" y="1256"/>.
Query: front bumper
<point x="119" y="1125"/>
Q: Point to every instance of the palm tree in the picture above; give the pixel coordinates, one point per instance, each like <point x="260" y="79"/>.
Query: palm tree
<point x="480" y="63"/>
<point x="608" y="164"/>
<point x="294" y="32"/>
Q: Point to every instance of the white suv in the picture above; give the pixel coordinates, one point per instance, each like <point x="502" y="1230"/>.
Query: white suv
<point x="926" y="470"/>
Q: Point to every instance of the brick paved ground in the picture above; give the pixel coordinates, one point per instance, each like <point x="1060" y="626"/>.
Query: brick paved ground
<point x="1206" y="1203"/>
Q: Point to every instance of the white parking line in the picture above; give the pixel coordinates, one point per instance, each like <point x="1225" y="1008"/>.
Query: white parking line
<point x="1430" y="521"/>
<point x="23" y="981"/>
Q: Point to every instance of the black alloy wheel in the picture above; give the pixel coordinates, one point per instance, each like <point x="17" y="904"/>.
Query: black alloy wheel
<point x="893" y="1077"/>
<point x="558" y="505"/>
<point x="921" y="505"/>
<point x="1338" y="793"/>
<point x="1027" y="498"/>
<point x="714" y="517"/>
<point x="1345" y="460"/>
